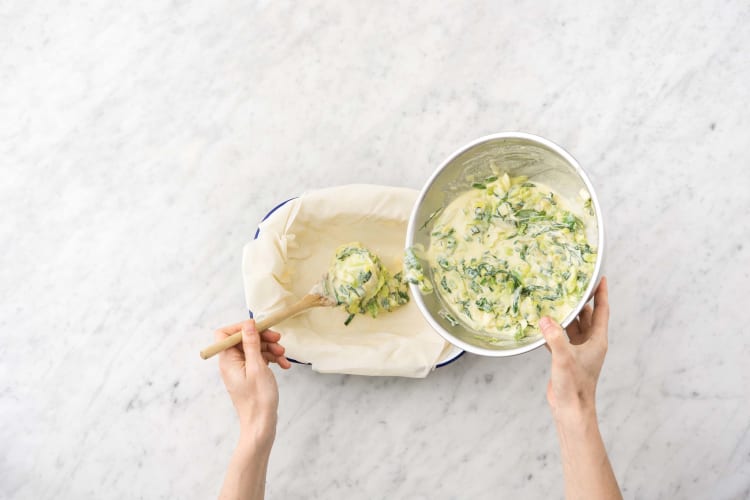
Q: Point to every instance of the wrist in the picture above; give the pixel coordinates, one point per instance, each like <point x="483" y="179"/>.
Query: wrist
<point x="257" y="436"/>
<point x="575" y="418"/>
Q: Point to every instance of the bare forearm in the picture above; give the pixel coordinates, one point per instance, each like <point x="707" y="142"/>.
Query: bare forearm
<point x="246" y="475"/>
<point x="588" y="473"/>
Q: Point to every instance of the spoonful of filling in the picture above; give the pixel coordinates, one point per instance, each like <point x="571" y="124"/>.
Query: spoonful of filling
<point x="358" y="281"/>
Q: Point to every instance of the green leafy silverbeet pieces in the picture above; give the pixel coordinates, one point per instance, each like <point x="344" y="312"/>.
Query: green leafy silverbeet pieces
<point x="359" y="282"/>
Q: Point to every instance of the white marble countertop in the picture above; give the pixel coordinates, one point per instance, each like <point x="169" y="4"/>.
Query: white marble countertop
<point x="140" y="142"/>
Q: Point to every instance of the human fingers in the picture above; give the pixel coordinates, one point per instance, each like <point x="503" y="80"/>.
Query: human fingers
<point x="553" y="334"/>
<point x="250" y="342"/>
<point x="600" y="317"/>
<point x="232" y="355"/>
<point x="283" y="362"/>
<point x="270" y="336"/>
<point x="279" y="360"/>
<point x="271" y="358"/>
<point x="584" y="317"/>
<point x="268" y="357"/>
<point x="575" y="333"/>
<point x="272" y="347"/>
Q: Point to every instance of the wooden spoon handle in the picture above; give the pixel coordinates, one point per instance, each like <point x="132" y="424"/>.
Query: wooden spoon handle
<point x="306" y="302"/>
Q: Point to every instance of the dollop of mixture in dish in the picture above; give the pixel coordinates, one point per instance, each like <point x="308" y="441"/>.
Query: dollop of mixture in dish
<point x="358" y="281"/>
<point x="505" y="254"/>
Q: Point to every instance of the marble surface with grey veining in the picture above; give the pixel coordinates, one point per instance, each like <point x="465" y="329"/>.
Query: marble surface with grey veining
<point x="140" y="143"/>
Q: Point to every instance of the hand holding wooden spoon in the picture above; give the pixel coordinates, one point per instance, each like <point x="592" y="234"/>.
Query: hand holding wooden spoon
<point x="355" y="276"/>
<point x="310" y="300"/>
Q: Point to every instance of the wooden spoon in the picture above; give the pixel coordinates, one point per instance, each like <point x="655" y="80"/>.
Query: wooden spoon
<point x="309" y="301"/>
<point x="343" y="284"/>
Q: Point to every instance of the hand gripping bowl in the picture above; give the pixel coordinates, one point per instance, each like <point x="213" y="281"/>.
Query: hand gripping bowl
<point x="517" y="154"/>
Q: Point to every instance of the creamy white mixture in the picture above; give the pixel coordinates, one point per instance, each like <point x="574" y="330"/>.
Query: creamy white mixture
<point x="505" y="254"/>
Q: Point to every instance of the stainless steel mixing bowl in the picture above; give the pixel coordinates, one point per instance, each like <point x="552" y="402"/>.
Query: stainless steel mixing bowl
<point x="517" y="154"/>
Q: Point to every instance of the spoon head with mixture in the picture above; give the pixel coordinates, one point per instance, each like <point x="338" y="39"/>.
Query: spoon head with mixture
<point x="354" y="277"/>
<point x="358" y="281"/>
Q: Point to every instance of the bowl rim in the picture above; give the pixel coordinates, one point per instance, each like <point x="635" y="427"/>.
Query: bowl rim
<point x="596" y="275"/>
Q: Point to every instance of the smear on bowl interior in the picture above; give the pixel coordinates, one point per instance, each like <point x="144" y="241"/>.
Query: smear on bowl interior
<point x="505" y="254"/>
<point x="358" y="281"/>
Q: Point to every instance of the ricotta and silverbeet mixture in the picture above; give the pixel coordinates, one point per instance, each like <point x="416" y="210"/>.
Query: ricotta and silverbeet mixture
<point x="505" y="254"/>
<point x="358" y="281"/>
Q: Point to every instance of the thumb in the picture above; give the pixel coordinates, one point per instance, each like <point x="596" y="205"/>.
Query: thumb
<point x="553" y="334"/>
<point x="250" y="340"/>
